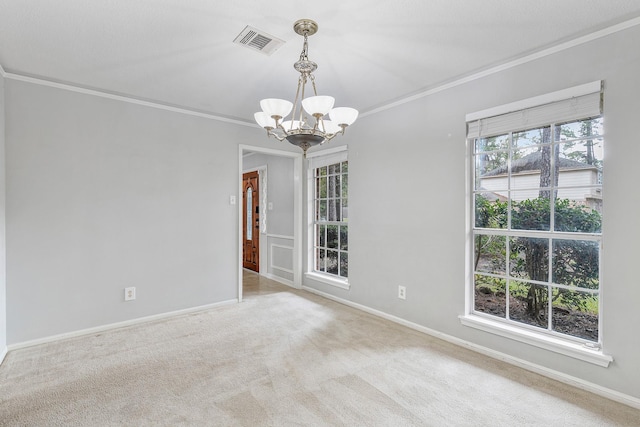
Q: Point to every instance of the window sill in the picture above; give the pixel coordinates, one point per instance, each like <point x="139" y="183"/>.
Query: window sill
<point x="567" y="348"/>
<point x="329" y="280"/>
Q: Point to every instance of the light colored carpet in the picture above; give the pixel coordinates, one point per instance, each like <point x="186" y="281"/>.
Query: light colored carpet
<point x="282" y="358"/>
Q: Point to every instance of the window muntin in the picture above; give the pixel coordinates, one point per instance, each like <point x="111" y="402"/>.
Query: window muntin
<point x="537" y="197"/>
<point x="330" y="219"/>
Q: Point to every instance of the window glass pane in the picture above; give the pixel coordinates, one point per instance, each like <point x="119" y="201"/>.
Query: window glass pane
<point x="490" y="295"/>
<point x="333" y="210"/>
<point x="344" y="191"/>
<point x="321" y="255"/>
<point x="322" y="187"/>
<point x="331" y="186"/>
<point x="490" y="210"/>
<point x="575" y="313"/>
<point x="584" y="155"/>
<point x="493" y="143"/>
<point x="332" y="236"/>
<point x="527" y="161"/>
<point x="528" y="303"/>
<point x="529" y="258"/>
<point x="491" y="171"/>
<point x="323" y="210"/>
<point x="490" y="254"/>
<point x="345" y="210"/>
<point x="345" y="167"/>
<point x="249" y="215"/>
<point x="344" y="264"/>
<point x="576" y="263"/>
<point x="577" y="210"/>
<point x="322" y="171"/>
<point x="332" y="262"/>
<point x="322" y="235"/>
<point x="532" y="137"/>
<point x="529" y="214"/>
<point x="344" y="238"/>
<point x="334" y="169"/>
<point x="580" y="129"/>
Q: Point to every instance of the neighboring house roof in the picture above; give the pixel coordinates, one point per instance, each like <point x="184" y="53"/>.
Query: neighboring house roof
<point x="491" y="195"/>
<point x="533" y="162"/>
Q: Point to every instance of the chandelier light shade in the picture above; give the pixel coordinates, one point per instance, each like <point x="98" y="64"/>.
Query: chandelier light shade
<point x="307" y="126"/>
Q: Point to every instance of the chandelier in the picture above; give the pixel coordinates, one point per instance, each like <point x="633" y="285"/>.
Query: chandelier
<point x="307" y="126"/>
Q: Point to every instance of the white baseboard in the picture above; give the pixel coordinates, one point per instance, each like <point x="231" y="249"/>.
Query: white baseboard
<point x="111" y="326"/>
<point x="549" y="373"/>
<point x="278" y="279"/>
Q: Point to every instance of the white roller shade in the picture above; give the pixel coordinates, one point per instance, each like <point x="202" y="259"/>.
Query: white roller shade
<point x="571" y="108"/>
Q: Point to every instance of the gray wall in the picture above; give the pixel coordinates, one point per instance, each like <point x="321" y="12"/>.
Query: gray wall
<point x="102" y="195"/>
<point x="407" y="204"/>
<point x="3" y="300"/>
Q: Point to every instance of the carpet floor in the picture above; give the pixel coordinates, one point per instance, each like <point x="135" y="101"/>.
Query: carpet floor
<point x="282" y="358"/>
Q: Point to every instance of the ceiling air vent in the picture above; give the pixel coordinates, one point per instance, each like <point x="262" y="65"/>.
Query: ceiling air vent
<point x="258" y="40"/>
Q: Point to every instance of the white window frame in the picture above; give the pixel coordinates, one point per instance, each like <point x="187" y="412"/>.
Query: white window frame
<point x="541" y="110"/>
<point x="316" y="160"/>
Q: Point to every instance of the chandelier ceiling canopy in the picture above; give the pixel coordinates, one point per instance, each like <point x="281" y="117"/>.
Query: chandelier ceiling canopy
<point x="307" y="126"/>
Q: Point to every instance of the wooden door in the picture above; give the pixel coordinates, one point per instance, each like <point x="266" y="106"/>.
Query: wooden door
<point x="251" y="222"/>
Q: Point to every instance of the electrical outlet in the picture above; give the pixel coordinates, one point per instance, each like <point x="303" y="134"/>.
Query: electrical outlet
<point x="129" y="294"/>
<point x="402" y="292"/>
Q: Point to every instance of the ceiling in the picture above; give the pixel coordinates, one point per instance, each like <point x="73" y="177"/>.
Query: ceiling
<point x="181" y="52"/>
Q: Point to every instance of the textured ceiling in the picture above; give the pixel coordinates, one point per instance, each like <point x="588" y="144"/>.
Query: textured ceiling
<point x="180" y="52"/>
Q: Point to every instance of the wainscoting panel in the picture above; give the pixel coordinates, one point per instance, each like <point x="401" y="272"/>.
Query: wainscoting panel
<point x="280" y="257"/>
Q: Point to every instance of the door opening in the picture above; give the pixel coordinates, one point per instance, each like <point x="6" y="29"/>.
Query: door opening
<point x="245" y="166"/>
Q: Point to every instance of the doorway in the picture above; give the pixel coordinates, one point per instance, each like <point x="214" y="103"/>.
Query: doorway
<point x="251" y="221"/>
<point x="269" y="251"/>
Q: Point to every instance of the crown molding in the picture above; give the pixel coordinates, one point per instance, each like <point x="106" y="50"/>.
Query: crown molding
<point x="510" y="64"/>
<point x="440" y="88"/>
<point x="123" y="98"/>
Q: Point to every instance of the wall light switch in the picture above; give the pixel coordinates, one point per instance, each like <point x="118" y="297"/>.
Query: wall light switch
<point x="232" y="200"/>
<point x="270" y="206"/>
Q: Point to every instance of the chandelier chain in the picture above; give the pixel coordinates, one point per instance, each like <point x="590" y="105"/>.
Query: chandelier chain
<point x="304" y="55"/>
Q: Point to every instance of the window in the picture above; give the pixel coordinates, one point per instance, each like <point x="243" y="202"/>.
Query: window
<point x="536" y="214"/>
<point x="330" y="213"/>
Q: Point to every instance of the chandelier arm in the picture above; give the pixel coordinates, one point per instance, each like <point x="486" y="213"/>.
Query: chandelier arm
<point x="275" y="135"/>
<point x="295" y="101"/>
<point x="315" y="92"/>
<point x="313" y="83"/>
<point x="303" y="80"/>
